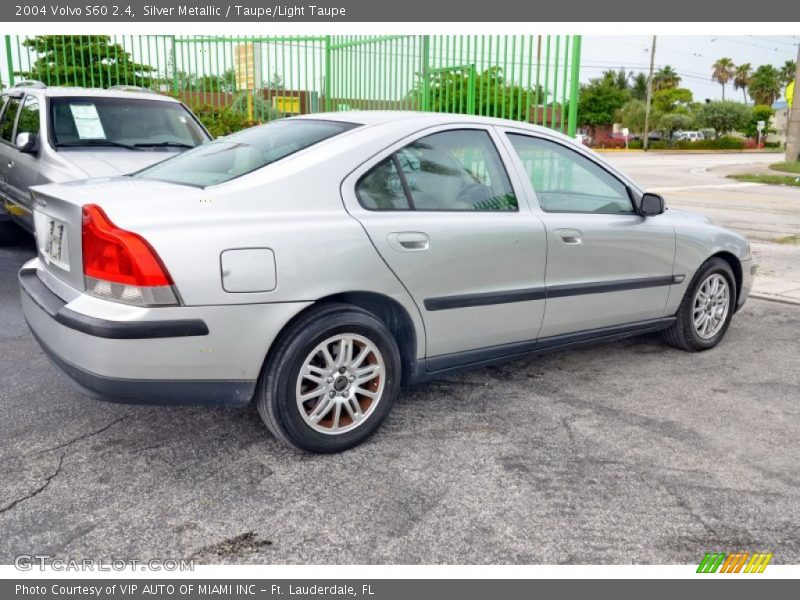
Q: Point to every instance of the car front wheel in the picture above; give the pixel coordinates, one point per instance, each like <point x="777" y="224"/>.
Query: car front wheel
<point x="331" y="379"/>
<point x="706" y="310"/>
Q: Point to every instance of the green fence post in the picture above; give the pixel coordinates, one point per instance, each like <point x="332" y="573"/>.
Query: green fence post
<point x="10" y="62"/>
<point x="327" y="83"/>
<point x="426" y="90"/>
<point x="574" y="86"/>
<point x="174" y="58"/>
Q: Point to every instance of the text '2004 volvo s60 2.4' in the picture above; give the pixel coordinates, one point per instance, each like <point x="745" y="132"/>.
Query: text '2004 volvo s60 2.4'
<point x="317" y="263"/>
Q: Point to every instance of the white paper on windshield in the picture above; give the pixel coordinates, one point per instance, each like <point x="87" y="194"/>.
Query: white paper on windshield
<point x="87" y="122"/>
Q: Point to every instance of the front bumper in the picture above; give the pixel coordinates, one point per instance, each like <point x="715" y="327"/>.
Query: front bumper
<point x="207" y="356"/>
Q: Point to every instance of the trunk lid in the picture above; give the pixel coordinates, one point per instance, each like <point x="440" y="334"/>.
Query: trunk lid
<point x="58" y="215"/>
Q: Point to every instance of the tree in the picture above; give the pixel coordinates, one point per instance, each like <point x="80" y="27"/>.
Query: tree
<point x="669" y="123"/>
<point x="84" y="60"/>
<point x="765" y="85"/>
<point x="449" y="91"/>
<point x="724" y="116"/>
<point x="639" y="86"/>
<point x="598" y="103"/>
<point x="665" y="78"/>
<point x="275" y="82"/>
<point x="723" y="72"/>
<point x="741" y="78"/>
<point x="759" y="113"/>
<point x="631" y="115"/>
<point x="787" y="72"/>
<point x="672" y="100"/>
<point x="618" y="79"/>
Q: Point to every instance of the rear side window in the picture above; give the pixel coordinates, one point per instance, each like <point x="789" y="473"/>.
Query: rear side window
<point x="9" y="116"/>
<point x="241" y="153"/>
<point x="458" y="170"/>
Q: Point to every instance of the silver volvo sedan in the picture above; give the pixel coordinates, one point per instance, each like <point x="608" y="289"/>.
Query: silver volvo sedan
<point x="317" y="263"/>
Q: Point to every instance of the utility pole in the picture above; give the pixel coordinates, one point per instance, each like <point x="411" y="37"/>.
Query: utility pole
<point x="646" y="140"/>
<point x="793" y="119"/>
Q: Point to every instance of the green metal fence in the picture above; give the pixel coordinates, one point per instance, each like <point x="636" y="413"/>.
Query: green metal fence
<point x="530" y="78"/>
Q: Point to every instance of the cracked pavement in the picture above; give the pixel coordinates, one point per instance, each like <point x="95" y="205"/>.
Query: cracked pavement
<point x="630" y="452"/>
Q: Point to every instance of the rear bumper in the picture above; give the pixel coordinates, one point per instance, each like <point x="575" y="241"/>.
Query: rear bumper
<point x="207" y="356"/>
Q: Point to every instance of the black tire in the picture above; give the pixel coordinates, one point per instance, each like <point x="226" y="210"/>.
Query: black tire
<point x="682" y="333"/>
<point x="11" y="234"/>
<point x="276" y="390"/>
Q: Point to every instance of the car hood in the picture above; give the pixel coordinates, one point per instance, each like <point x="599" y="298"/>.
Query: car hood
<point x="688" y="215"/>
<point x="113" y="161"/>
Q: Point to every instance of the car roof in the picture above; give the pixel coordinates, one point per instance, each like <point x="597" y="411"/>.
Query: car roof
<point x="60" y="91"/>
<point x="431" y="119"/>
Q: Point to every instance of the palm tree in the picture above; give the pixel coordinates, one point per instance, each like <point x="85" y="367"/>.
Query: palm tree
<point x="787" y="72"/>
<point x="765" y="85"/>
<point x="639" y="86"/>
<point x="723" y="71"/>
<point x="741" y="78"/>
<point x="666" y="78"/>
<point x="619" y="79"/>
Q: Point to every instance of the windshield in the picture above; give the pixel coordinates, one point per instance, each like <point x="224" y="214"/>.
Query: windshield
<point x="243" y="152"/>
<point x="122" y="122"/>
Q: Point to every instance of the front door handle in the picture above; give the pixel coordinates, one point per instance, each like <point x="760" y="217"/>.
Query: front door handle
<point x="409" y="241"/>
<point x="11" y="164"/>
<point x="570" y="237"/>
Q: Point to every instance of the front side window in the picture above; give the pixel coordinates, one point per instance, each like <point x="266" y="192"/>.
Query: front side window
<point x="241" y="153"/>
<point x="457" y="170"/>
<point x="9" y="117"/>
<point x="565" y="181"/>
<point x="29" y="121"/>
<point x="126" y="122"/>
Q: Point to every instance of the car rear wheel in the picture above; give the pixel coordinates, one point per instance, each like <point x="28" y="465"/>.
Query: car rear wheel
<point x="706" y="310"/>
<point x="331" y="379"/>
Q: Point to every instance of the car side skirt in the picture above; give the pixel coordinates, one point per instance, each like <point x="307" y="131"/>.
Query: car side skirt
<point x="437" y="366"/>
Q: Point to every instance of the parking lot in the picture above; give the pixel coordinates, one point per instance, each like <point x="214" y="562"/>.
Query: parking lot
<point x="629" y="452"/>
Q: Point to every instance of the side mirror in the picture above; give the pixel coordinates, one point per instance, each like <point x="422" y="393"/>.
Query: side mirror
<point x="651" y="205"/>
<point x="26" y="142"/>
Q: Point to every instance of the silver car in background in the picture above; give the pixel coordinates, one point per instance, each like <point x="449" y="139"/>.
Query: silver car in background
<point x="317" y="263"/>
<point x="57" y="134"/>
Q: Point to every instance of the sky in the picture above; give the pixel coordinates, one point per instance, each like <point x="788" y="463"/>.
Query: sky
<point x="691" y="56"/>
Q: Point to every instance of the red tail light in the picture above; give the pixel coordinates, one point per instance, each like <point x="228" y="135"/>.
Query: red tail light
<point x="118" y="256"/>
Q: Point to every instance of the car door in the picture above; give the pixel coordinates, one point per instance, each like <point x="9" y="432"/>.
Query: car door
<point x="606" y="265"/>
<point x="447" y="217"/>
<point x="5" y="149"/>
<point x="23" y="168"/>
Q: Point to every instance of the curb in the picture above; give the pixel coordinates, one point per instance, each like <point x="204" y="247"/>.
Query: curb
<point x="773" y="298"/>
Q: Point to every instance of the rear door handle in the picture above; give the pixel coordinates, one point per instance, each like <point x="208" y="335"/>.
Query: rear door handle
<point x="11" y="164"/>
<point x="570" y="237"/>
<point x="409" y="241"/>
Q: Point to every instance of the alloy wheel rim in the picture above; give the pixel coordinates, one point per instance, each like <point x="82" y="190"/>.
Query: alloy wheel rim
<point x="340" y="384"/>
<point x="711" y="306"/>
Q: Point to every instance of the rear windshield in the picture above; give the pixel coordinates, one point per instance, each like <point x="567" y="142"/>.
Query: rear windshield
<point x="122" y="122"/>
<point x="241" y="153"/>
